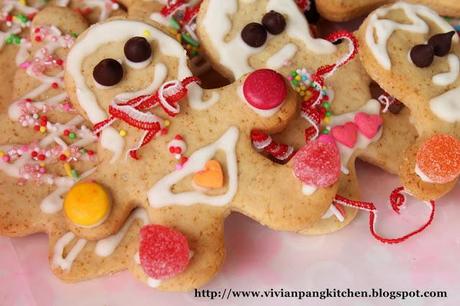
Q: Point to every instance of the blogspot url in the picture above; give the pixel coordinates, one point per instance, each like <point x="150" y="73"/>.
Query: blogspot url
<point x="230" y="293"/>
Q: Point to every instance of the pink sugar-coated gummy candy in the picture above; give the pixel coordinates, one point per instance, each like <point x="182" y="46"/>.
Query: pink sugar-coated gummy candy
<point x="163" y="252"/>
<point x="265" y="89"/>
<point x="326" y="138"/>
<point x="318" y="163"/>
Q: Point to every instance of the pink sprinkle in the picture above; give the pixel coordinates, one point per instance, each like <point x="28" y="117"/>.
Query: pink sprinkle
<point x="24" y="65"/>
<point x="6" y="158"/>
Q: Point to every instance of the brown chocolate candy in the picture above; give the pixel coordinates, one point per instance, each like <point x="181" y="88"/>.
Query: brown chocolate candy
<point x="422" y="55"/>
<point x="254" y="34"/>
<point x="441" y="43"/>
<point x="108" y="72"/>
<point x="274" y="22"/>
<point x="137" y="49"/>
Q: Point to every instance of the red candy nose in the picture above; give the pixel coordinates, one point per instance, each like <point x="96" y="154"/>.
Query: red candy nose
<point x="163" y="252"/>
<point x="265" y="89"/>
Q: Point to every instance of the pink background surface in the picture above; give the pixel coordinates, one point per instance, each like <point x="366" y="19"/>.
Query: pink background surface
<point x="260" y="259"/>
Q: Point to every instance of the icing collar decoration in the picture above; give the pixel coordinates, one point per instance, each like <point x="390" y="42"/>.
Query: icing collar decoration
<point x="131" y="111"/>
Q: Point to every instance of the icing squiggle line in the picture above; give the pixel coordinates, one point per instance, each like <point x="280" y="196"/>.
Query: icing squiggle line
<point x="384" y="28"/>
<point x="104" y="247"/>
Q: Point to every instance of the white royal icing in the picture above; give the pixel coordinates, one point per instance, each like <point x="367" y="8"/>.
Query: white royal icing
<point x="160" y="71"/>
<point x="384" y="28"/>
<point x="139" y="65"/>
<point x="280" y="58"/>
<point x="422" y="175"/>
<point x="118" y="30"/>
<point x="107" y="246"/>
<point x="217" y="24"/>
<point x="308" y="189"/>
<point x="333" y="212"/>
<point x="58" y="256"/>
<point x="104" y="247"/>
<point x="447" y="106"/>
<point x="447" y="78"/>
<point x="161" y="195"/>
<point x="372" y="107"/>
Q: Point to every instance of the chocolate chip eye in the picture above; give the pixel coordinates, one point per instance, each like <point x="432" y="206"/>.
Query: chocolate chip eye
<point x="254" y="34"/>
<point x="441" y="43"/>
<point x="422" y="55"/>
<point x="138" y="49"/>
<point x="274" y="22"/>
<point x="108" y="72"/>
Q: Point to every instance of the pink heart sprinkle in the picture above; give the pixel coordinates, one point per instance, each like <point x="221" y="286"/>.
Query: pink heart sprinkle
<point x="346" y="134"/>
<point x="368" y="124"/>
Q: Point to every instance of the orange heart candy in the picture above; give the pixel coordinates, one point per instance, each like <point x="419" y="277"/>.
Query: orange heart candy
<point x="211" y="177"/>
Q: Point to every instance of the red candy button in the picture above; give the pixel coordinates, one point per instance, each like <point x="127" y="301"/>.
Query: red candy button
<point x="318" y="163"/>
<point x="265" y="89"/>
<point x="163" y="252"/>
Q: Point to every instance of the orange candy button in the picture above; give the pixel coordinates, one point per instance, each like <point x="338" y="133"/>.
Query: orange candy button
<point x="211" y="177"/>
<point x="439" y="158"/>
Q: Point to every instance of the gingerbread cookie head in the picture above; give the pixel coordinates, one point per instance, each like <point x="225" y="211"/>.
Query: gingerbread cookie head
<point x="183" y="153"/>
<point x="413" y="53"/>
<point x="178" y="18"/>
<point x="340" y="10"/>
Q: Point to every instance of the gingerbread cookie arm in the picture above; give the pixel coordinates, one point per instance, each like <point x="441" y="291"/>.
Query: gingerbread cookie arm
<point x="73" y="258"/>
<point x="203" y="225"/>
<point x="337" y="217"/>
<point x="288" y="211"/>
<point x="414" y="183"/>
<point x="388" y="152"/>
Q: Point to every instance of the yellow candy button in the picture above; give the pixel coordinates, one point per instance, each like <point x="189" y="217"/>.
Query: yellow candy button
<point x="87" y="204"/>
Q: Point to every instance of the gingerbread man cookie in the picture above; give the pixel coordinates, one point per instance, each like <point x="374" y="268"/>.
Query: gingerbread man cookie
<point x="412" y="53"/>
<point x="46" y="147"/>
<point x="269" y="34"/>
<point x="188" y="165"/>
<point x="343" y="10"/>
